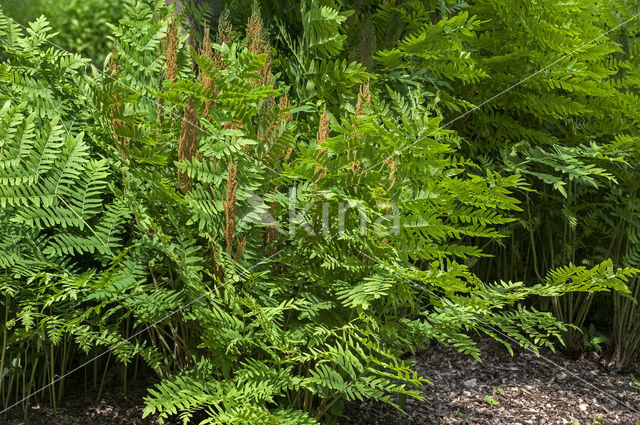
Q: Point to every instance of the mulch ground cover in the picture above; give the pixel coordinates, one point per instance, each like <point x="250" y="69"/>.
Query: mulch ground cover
<point x="507" y="390"/>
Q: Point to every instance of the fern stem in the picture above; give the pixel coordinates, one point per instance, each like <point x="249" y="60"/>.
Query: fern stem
<point x="5" y="331"/>
<point x="104" y="375"/>
<point x="52" y="388"/>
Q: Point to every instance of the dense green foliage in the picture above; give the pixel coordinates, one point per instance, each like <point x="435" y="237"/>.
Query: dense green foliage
<point x="270" y="223"/>
<point x="80" y="26"/>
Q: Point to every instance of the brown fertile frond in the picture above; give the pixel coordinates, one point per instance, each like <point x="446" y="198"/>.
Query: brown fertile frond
<point x="112" y="65"/>
<point x="255" y="32"/>
<point x="205" y="49"/>
<point x="287" y="155"/>
<point x="234" y="125"/>
<point x="122" y="143"/>
<point x="391" y="163"/>
<point x="224" y="36"/>
<point x="170" y="46"/>
<point x="187" y="143"/>
<point x="230" y="206"/>
<point x="281" y="113"/>
<point x="323" y="127"/>
<point x="321" y="137"/>
<point x="270" y="115"/>
<point x="363" y="97"/>
<point x="159" y="109"/>
<point x="207" y="52"/>
<point x="258" y="42"/>
<point x="283" y="104"/>
<point x="240" y="250"/>
<point x="275" y="138"/>
<point x="224" y="28"/>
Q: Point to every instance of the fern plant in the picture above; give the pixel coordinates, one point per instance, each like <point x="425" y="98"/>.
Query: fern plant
<point x="269" y="241"/>
<point x="554" y="112"/>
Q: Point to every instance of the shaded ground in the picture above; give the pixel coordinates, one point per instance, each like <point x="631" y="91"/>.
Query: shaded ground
<point x="524" y="390"/>
<point x="113" y="408"/>
<point x="520" y="391"/>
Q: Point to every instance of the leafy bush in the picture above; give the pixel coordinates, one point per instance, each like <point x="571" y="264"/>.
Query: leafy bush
<point x="81" y="26"/>
<point x="545" y="91"/>
<point x="269" y="250"/>
<point x="571" y="132"/>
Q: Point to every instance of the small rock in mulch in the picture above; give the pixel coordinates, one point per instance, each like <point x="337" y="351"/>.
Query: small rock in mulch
<point x="519" y="390"/>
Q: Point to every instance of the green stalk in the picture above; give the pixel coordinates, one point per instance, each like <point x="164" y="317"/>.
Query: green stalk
<point x="52" y="387"/>
<point x="31" y="382"/>
<point x="5" y="331"/>
<point x="104" y="374"/>
<point x="8" y="392"/>
<point x="124" y="367"/>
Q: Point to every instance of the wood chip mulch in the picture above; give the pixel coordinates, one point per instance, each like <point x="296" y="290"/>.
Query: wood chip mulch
<point x="507" y="390"/>
<point x="503" y="390"/>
